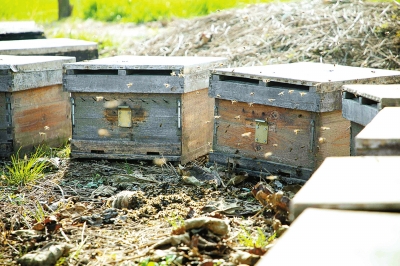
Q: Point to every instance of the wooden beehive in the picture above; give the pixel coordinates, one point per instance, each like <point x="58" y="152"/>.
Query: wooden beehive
<point x="361" y="103"/>
<point x="20" y="30"/>
<point x="284" y="119"/>
<point x="132" y="107"/>
<point x="34" y="109"/>
<point x="80" y="49"/>
<point x="382" y="135"/>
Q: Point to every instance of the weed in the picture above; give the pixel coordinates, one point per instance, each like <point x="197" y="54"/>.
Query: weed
<point x="176" y="221"/>
<point x="25" y="170"/>
<point x="246" y="239"/>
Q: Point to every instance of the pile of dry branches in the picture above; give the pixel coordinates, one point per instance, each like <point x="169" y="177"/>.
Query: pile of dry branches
<point x="351" y="33"/>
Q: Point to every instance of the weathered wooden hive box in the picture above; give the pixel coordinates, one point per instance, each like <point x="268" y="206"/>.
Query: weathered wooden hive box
<point x="361" y="103"/>
<point x="80" y="49"/>
<point x="382" y="135"/>
<point x="132" y="107"/>
<point x="34" y="109"/>
<point x="284" y="119"/>
<point x="20" y="30"/>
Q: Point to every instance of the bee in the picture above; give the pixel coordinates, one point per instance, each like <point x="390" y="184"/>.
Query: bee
<point x="198" y="67"/>
<point x="166" y="85"/>
<point x="209" y="143"/>
<point x="234" y="101"/>
<point x="218" y="96"/>
<point x="238" y="143"/>
<point x="322" y="140"/>
<point x="296" y="131"/>
<point x="221" y="64"/>
<point x="42" y="134"/>
<point x="325" y="128"/>
<point x="373" y="71"/>
<point x="250" y="104"/>
<point x="208" y="122"/>
<point x="267" y="154"/>
<point x="181" y="75"/>
<point x="233" y="70"/>
<point x="99" y="98"/>
<point x="271" y="100"/>
<point x="281" y="93"/>
<point x="251" y="93"/>
<point x="272" y="177"/>
<point x="266" y="80"/>
<point x="46" y="128"/>
<point x="129" y="84"/>
<point x="173" y="73"/>
<point x="247" y="134"/>
<point x="237" y="117"/>
<point x="217" y="116"/>
<point x="197" y="92"/>
<point x="303" y="93"/>
<point x="275" y="145"/>
<point x="290" y="91"/>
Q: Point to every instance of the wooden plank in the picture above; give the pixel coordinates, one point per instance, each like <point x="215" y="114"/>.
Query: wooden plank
<point x="289" y="136"/>
<point x="80" y="49"/>
<point x="382" y="135"/>
<point x="386" y="95"/>
<point x="40" y="115"/>
<point x="333" y="237"/>
<point x="154" y="117"/>
<point x="359" y="113"/>
<point x="197" y="124"/>
<point x="352" y="183"/>
<point x="122" y="149"/>
<point x="322" y="77"/>
<point x="355" y="129"/>
<point x="332" y="136"/>
<point x="261" y="168"/>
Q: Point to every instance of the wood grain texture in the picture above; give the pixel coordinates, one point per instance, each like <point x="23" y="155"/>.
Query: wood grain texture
<point x="332" y="136"/>
<point x="40" y="115"/>
<point x="288" y="136"/>
<point x="197" y="124"/>
<point x="279" y="95"/>
<point x="382" y="135"/>
<point x="154" y="124"/>
<point x="122" y="149"/>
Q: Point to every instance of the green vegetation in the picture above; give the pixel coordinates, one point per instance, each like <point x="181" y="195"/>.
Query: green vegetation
<point x="260" y="241"/>
<point x="25" y="170"/>
<point x="117" y="10"/>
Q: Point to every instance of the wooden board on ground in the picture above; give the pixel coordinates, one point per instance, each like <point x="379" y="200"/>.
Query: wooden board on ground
<point x="382" y="135"/>
<point x="352" y="183"/>
<point x="334" y="237"/>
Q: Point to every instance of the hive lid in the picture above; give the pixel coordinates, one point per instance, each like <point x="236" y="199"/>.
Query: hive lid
<point x="16" y="27"/>
<point x="333" y="237"/>
<point x="187" y="64"/>
<point x="387" y="95"/>
<point x="24" y="72"/>
<point x="141" y="74"/>
<point x="45" y="46"/>
<point x="352" y="183"/>
<point x="321" y="77"/>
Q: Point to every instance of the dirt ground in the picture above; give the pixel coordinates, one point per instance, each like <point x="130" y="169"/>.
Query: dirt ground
<point x="86" y="217"/>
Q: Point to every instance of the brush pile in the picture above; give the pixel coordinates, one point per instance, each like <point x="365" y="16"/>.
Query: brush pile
<point x="352" y="32"/>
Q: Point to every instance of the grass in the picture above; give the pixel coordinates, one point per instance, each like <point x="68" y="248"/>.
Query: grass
<point x="44" y="11"/>
<point x="25" y="170"/>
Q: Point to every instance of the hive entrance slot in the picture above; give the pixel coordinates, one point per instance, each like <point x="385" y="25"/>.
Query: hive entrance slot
<point x="287" y="86"/>
<point x="152" y="153"/>
<point x="239" y="80"/>
<point x="97" y="151"/>
<point x="95" y="71"/>
<point x="151" y="72"/>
